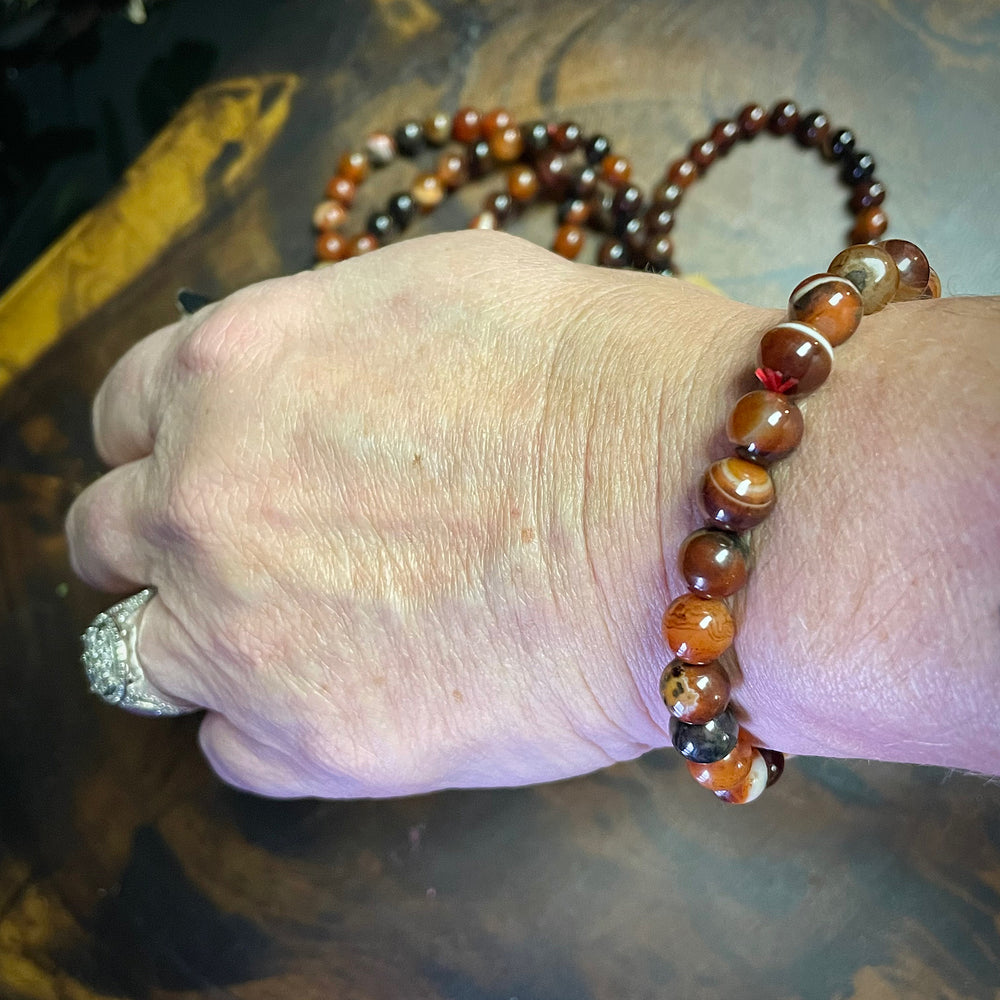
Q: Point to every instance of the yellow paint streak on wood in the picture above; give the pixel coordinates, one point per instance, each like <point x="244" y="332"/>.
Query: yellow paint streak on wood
<point x="217" y="138"/>
<point x="407" y="18"/>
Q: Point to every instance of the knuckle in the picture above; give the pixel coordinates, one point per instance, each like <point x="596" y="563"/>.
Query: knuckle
<point x="221" y="339"/>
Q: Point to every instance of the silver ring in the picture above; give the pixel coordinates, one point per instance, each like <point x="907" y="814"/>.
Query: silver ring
<point x="112" y="663"/>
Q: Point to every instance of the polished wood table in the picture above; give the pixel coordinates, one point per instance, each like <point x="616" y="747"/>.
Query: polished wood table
<point x="128" y="870"/>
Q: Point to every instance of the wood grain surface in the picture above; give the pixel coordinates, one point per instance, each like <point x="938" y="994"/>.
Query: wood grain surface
<point x="128" y="871"/>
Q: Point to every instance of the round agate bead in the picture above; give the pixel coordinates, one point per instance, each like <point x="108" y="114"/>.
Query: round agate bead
<point x="706" y="743"/>
<point x="329" y="214"/>
<point x="765" y="426"/>
<point x="713" y="563"/>
<point x="933" y="289"/>
<point x="694" y="694"/>
<point x="829" y="304"/>
<point x="913" y="266"/>
<point x="698" y="629"/>
<point x="751" y="787"/>
<point x="775" y="761"/>
<point x="381" y="149"/>
<point x="736" y="494"/>
<point x="569" y="240"/>
<point x="872" y="272"/>
<point x="796" y="351"/>
<point x="728" y="772"/>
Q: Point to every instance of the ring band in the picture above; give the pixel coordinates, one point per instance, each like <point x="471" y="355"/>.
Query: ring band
<point x="111" y="660"/>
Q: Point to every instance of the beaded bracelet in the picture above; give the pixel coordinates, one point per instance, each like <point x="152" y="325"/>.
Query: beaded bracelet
<point x="795" y="357"/>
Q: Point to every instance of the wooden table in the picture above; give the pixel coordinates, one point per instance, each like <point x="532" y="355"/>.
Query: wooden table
<point x="128" y="870"/>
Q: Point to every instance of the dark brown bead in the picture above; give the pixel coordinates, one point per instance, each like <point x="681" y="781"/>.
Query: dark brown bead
<point x="736" y="494"/>
<point x="401" y="207"/>
<point x="784" y="118"/>
<point x="596" y="148"/>
<point x="567" y="137"/>
<point x="713" y="563"/>
<point x="703" y="153"/>
<point x="658" y="250"/>
<point x="522" y="183"/>
<point x="616" y="170"/>
<point x="506" y="144"/>
<point x="725" y="135"/>
<point x="775" y="761"/>
<point x="536" y="138"/>
<point x="331" y="245"/>
<point x="682" y="172"/>
<point x="410" y="138"/>
<point x="496" y="121"/>
<point x="481" y="160"/>
<point x="866" y="194"/>
<point x="501" y="204"/>
<point x="869" y="225"/>
<point x="341" y="189"/>
<point x="838" y="144"/>
<point x="602" y="211"/>
<point x="381" y="225"/>
<point x="554" y="175"/>
<point x="584" y="182"/>
<point x="795" y="352"/>
<point x="573" y="212"/>
<point x="812" y="131"/>
<point x="329" y="214"/>
<point x="453" y="170"/>
<point x="437" y="128"/>
<point x="467" y="126"/>
<point x="628" y="201"/>
<point x="668" y="194"/>
<point x="568" y="242"/>
<point x="361" y="244"/>
<point x="913" y="266"/>
<point x="857" y="166"/>
<point x="659" y="218"/>
<point x="752" y="120"/>
<point x="764" y="426"/>
<point x="707" y="743"/>
<point x="694" y="693"/>
<point x="613" y="253"/>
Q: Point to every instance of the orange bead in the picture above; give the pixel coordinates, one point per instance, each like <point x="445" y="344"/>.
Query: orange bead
<point x="522" y="183"/>
<point x="698" y="629"/>
<point x="331" y="246"/>
<point x="353" y="166"/>
<point x="869" y="224"/>
<point x="682" y="172"/>
<point x="467" y="125"/>
<point x="341" y="189"/>
<point x="427" y="191"/>
<point x="728" y="772"/>
<point x="736" y="494"/>
<point x="616" y="170"/>
<point x="453" y="170"/>
<point x="496" y="121"/>
<point x="829" y="304"/>
<point x="329" y="214"/>
<point x="753" y="784"/>
<point x="764" y="426"/>
<point x="506" y="144"/>
<point x="361" y="244"/>
<point x="568" y="242"/>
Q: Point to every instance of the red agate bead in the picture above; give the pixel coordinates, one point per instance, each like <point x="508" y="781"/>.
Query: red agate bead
<point x="713" y="563"/>
<point x="737" y="494"/>
<point x="765" y="426"/>
<point x="872" y="272"/>
<point x="694" y="693"/>
<point x="829" y="304"/>
<point x="698" y="629"/>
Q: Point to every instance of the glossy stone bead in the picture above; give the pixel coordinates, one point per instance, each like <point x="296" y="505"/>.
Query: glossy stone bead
<point x="728" y="772"/>
<point x="682" y="172"/>
<point x="573" y="211"/>
<point x="361" y="244"/>
<point x="857" y="166"/>
<point x="506" y="144"/>
<point x="657" y="250"/>
<point x="784" y="118"/>
<point x="410" y="138"/>
<point x="706" y="743"/>
<point x="554" y="174"/>
<point x="402" y="208"/>
<point x="913" y="266"/>
<point x="584" y="183"/>
<point x="869" y="225"/>
<point x="568" y="241"/>
<point x="702" y="153"/>
<point x="838" y="144"/>
<point x="829" y="304"/>
<point x="341" y="189"/>
<point x="668" y="194"/>
<point x="933" y="289"/>
<point x="522" y="183"/>
<point x="736" y="494"/>
<point x="536" y="137"/>
<point x="353" y="166"/>
<point x="866" y="194"/>
<point x="381" y="149"/>
<point x="427" y="191"/>
<point x="496" y="121"/>
<point x="659" y="218"/>
<point x="724" y="134"/>
<point x="602" y="211"/>
<point x="764" y="426"/>
<point x="437" y="128"/>
<point x="751" y="787"/>
<point x="713" y="563"/>
<point x="596" y="148"/>
<point x="698" y="629"/>
<point x="329" y="214"/>
<point x="481" y="160"/>
<point x="693" y="693"/>
<point x="467" y="126"/>
<point x="796" y="352"/>
<point x="567" y="137"/>
<point x="872" y="272"/>
<point x="331" y="245"/>
<point x="775" y="761"/>
<point x="453" y="170"/>
<point x="613" y="253"/>
<point x="752" y="120"/>
<point x="813" y="129"/>
<point x="632" y="232"/>
<point x="616" y="170"/>
<point x="628" y="201"/>
<point x="381" y="225"/>
<point x="501" y="204"/>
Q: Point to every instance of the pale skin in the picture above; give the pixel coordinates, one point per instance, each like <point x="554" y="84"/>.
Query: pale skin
<point x="413" y="522"/>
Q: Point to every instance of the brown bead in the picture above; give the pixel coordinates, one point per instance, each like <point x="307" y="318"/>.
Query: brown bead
<point x="341" y="189"/>
<point x="381" y="148"/>
<point x="657" y="250"/>
<point x="554" y="175"/>
<point x="736" y="494"/>
<point x="752" y="120"/>
<point x="866" y="194"/>
<point x="506" y="144"/>
<point x="329" y="214"/>
<point x="933" y="289"/>
<point x="692" y="693"/>
<point x="725" y="135"/>
<point x="467" y="126"/>
<point x="703" y="153"/>
<point x="784" y="118"/>
<point x="584" y="182"/>
<point x="698" y="629"/>
<point x="713" y="563"/>
<point x="574" y="212"/>
<point x="496" y="121"/>
<point x="728" y="772"/>
<point x="813" y="130"/>
<point x="829" y="304"/>
<point x="522" y="183"/>
<point x="568" y="242"/>
<point x="668" y="194"/>
<point x="437" y="128"/>
<point x="616" y="170"/>
<point x="613" y="253"/>
<point x="427" y="191"/>
<point x="753" y="784"/>
<point x="361" y="244"/>
<point x="501" y="204"/>
<point x="331" y="246"/>
<point x="869" y="225"/>
<point x="764" y="426"/>
<point x="872" y="272"/>
<point x="796" y="352"/>
<point x="353" y="166"/>
<point x="566" y="137"/>
<point x="913" y="266"/>
<point x="659" y="218"/>
<point x="453" y="170"/>
<point x="775" y="761"/>
<point x="484" y="220"/>
<point x="682" y="172"/>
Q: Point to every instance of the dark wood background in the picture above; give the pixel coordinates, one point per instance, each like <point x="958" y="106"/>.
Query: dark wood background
<point x="128" y="870"/>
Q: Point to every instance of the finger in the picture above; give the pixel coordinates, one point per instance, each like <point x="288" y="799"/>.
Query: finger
<point x="105" y="549"/>
<point x="128" y="404"/>
<point x="246" y="763"/>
